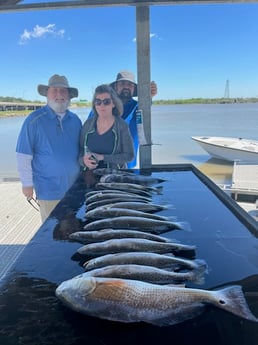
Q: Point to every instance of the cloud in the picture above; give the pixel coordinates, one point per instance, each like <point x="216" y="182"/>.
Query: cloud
<point x="41" y="31"/>
<point x="151" y="36"/>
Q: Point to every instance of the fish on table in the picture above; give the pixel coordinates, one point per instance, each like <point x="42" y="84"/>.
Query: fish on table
<point x="104" y="211"/>
<point x="104" y="191"/>
<point x="136" y="245"/>
<point x="104" y="201"/>
<point x="123" y="196"/>
<point x="107" y="171"/>
<point x="108" y="234"/>
<point x="139" y="205"/>
<point x="165" y="261"/>
<point x="138" y="179"/>
<point x="150" y="274"/>
<point x="130" y="187"/>
<point x="128" y="301"/>
<point x="137" y="223"/>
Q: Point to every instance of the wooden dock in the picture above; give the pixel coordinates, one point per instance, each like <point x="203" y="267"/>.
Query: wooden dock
<point x="13" y="106"/>
<point x="19" y="222"/>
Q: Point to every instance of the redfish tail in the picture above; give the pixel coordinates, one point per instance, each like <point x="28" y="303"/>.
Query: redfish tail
<point x="232" y="299"/>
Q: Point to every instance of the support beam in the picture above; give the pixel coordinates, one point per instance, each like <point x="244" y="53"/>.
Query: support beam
<point x="143" y="76"/>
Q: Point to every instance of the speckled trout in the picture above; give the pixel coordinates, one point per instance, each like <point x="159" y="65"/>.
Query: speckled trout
<point x="136" y="179"/>
<point x="137" y="223"/>
<point x="104" y="212"/>
<point x="135" y="245"/>
<point x="117" y="194"/>
<point x="129" y="187"/>
<point x="108" y="234"/>
<point x="136" y="301"/>
<point x="165" y="261"/>
<point x="140" y="206"/>
<point x="149" y="274"/>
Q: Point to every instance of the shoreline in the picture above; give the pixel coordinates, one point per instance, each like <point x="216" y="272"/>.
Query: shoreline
<point x="192" y="101"/>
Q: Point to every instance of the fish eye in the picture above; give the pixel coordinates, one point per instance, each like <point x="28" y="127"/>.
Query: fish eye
<point x="222" y="302"/>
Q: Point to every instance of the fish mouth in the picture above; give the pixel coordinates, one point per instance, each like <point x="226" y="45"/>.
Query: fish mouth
<point x="69" y="287"/>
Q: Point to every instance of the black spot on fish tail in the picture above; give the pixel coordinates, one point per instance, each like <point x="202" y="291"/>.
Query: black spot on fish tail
<point x="232" y="299"/>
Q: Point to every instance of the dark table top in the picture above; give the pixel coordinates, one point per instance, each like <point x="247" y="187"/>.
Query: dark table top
<point x="226" y="238"/>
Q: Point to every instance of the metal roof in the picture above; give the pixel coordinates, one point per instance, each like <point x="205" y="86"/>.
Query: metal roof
<point x="16" y="5"/>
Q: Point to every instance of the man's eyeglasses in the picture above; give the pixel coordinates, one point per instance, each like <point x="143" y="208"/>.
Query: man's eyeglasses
<point x="33" y="203"/>
<point x="105" y="101"/>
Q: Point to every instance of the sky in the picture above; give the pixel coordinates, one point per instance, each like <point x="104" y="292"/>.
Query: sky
<point x="194" y="49"/>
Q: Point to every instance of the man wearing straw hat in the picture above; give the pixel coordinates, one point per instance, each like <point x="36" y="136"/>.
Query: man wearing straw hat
<point x="48" y="146"/>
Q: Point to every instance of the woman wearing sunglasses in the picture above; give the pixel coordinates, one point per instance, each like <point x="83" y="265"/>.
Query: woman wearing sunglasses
<point x="105" y="138"/>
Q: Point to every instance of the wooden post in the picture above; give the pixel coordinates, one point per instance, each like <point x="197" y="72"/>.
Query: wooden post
<point x="143" y="77"/>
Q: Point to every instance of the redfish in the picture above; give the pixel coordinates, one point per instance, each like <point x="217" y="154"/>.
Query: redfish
<point x="136" y="301"/>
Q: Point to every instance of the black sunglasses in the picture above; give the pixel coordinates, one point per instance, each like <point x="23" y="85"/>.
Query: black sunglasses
<point x="105" y="101"/>
<point x="33" y="202"/>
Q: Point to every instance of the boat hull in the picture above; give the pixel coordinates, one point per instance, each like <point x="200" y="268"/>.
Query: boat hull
<point x="229" y="149"/>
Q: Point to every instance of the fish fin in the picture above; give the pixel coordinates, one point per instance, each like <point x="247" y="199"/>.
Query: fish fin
<point x="232" y="299"/>
<point x="186" y="313"/>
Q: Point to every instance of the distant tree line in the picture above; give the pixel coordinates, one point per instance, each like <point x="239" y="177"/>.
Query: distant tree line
<point x="81" y="103"/>
<point x="205" y="101"/>
<point x="16" y="100"/>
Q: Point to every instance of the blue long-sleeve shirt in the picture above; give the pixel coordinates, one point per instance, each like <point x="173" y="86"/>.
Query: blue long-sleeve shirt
<point x="54" y="148"/>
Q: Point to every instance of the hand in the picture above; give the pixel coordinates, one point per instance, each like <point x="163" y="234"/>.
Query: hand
<point x="99" y="157"/>
<point x="154" y="89"/>
<point x="28" y="192"/>
<point x="90" y="162"/>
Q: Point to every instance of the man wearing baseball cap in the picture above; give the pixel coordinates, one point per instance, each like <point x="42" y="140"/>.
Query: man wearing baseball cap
<point x="47" y="149"/>
<point x="126" y="89"/>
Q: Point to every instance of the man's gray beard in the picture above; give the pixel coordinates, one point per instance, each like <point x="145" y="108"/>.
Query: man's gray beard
<point x="59" y="108"/>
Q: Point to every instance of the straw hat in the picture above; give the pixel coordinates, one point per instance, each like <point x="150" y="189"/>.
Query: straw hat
<point x="57" y="81"/>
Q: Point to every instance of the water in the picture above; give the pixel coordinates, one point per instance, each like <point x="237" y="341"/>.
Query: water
<point x="172" y="129"/>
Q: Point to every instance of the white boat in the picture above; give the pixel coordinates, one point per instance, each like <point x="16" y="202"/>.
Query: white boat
<point x="230" y="149"/>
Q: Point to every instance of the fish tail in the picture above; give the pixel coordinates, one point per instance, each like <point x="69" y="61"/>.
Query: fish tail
<point x="203" y="264"/>
<point x="198" y="274"/>
<point x="182" y="226"/>
<point x="232" y="299"/>
<point x="159" y="189"/>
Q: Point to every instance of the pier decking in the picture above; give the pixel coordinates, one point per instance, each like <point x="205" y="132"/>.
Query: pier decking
<point x="19" y="222"/>
<point x="12" y="106"/>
